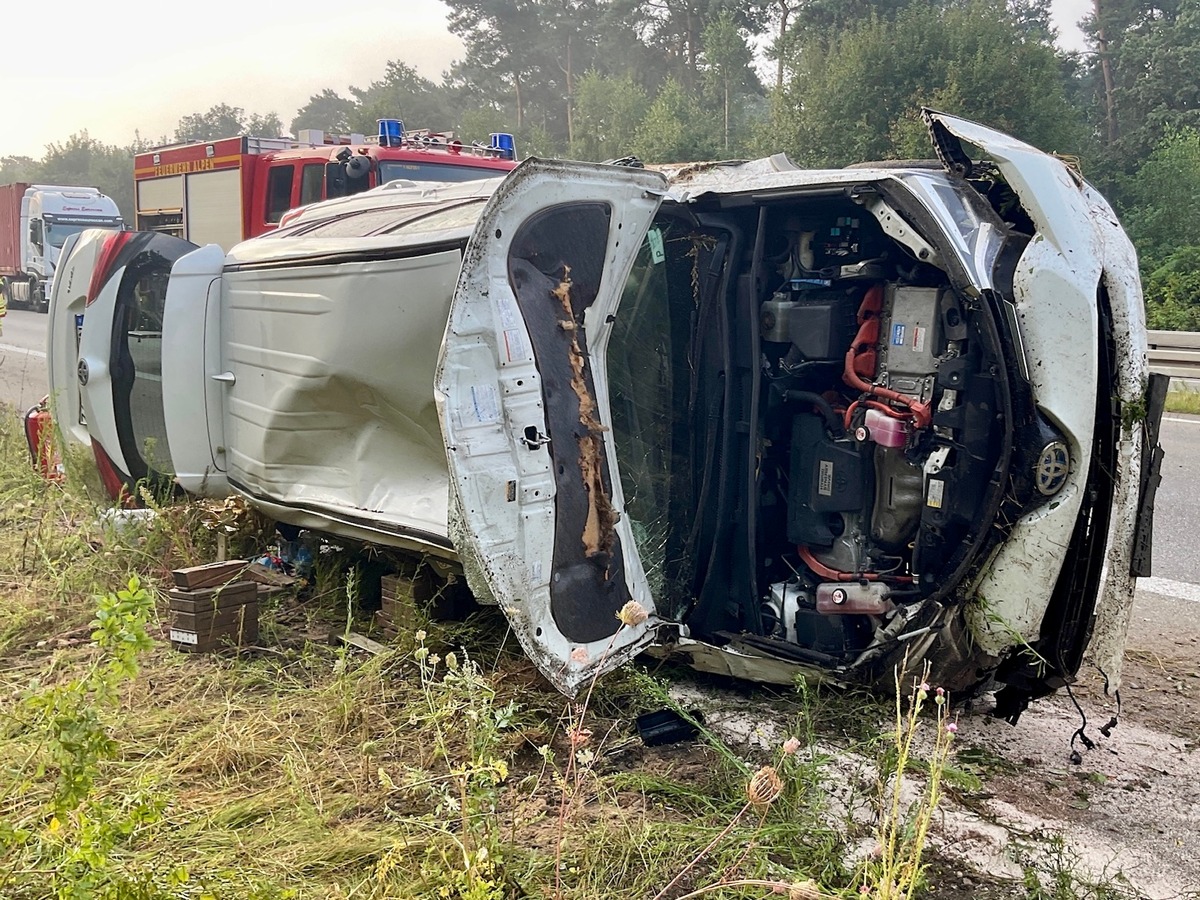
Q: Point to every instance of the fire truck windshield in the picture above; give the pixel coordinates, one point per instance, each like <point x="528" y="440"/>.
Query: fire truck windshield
<point x="390" y="170"/>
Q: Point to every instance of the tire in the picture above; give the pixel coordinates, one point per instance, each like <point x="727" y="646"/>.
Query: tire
<point x="38" y="301"/>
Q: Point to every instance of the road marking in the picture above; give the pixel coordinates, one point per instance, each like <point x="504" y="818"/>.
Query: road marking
<point x="16" y="349"/>
<point x="1180" y="590"/>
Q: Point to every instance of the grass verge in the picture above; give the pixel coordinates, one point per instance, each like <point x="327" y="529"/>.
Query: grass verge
<point x="1183" y="400"/>
<point x="443" y="768"/>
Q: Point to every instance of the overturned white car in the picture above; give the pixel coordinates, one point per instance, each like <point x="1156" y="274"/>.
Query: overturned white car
<point x="810" y="420"/>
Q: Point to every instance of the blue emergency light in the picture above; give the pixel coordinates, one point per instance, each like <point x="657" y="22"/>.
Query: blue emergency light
<point x="391" y="132"/>
<point x="504" y="145"/>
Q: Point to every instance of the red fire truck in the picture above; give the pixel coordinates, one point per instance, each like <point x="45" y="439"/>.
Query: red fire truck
<point x="227" y="190"/>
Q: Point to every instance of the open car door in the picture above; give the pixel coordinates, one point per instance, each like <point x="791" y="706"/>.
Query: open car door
<point x="119" y="364"/>
<point x="536" y="506"/>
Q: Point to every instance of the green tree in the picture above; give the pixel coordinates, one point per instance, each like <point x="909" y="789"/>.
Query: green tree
<point x="674" y="129"/>
<point x="328" y="111"/>
<point x="674" y="30"/>
<point x="269" y="125"/>
<point x="401" y="94"/>
<point x="856" y="96"/>
<point x="1162" y="210"/>
<point x="18" y="168"/>
<point x="1143" y="77"/>
<point x="727" y="66"/>
<point x="499" y="38"/>
<point x="1173" y="292"/>
<point x="609" y="110"/>
<point x="82" y="160"/>
<point x="222" y="121"/>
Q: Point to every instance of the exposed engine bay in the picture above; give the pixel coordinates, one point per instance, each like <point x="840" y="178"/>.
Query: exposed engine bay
<point x="860" y="351"/>
<point x="847" y="426"/>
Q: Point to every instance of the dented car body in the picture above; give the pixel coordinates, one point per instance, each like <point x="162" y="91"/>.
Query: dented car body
<point x="815" y="422"/>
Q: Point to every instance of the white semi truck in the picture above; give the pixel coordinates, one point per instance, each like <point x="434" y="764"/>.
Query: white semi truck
<point x="35" y="220"/>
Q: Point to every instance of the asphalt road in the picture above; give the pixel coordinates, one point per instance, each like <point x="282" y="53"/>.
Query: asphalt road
<point x="1177" y="507"/>
<point x="23" y="379"/>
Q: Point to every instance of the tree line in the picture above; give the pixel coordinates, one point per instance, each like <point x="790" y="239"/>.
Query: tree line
<point x="829" y="82"/>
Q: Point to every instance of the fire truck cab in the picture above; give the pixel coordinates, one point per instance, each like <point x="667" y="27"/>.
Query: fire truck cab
<point x="225" y="191"/>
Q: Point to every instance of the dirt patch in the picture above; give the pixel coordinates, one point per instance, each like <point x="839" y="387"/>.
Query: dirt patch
<point x="1118" y="819"/>
<point x="1128" y="809"/>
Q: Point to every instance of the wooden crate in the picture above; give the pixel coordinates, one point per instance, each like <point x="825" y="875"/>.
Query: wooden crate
<point x="207" y="618"/>
<point x="214" y="620"/>
<point x="211" y="575"/>
<point x="192" y="642"/>
<point x="238" y="593"/>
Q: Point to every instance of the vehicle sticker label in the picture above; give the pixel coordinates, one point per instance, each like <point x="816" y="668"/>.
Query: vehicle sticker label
<point x="506" y="309"/>
<point x="825" y="479"/>
<point x="898" y="334"/>
<point x="657" y="254"/>
<point x="936" y="490"/>
<point x="918" y="343"/>
<point x="184" y="637"/>
<point x="514" y="345"/>
<point x="485" y="402"/>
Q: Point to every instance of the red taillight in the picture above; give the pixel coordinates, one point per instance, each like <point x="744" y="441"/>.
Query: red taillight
<point x="108" y="254"/>
<point x="114" y="482"/>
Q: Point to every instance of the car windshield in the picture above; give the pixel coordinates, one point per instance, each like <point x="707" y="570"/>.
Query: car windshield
<point x="647" y="366"/>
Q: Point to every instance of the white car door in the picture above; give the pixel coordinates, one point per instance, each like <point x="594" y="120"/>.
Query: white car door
<point x="193" y="381"/>
<point x="536" y="507"/>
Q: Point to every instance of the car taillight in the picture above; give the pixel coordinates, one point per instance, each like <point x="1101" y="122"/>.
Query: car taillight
<point x="104" y="262"/>
<point x="115" y="484"/>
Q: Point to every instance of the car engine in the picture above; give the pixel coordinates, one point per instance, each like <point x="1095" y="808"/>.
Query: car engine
<point x="876" y="434"/>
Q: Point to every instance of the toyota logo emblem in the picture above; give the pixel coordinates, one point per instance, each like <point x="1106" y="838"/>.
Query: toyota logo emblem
<point x="83" y="372"/>
<point x="1050" y="473"/>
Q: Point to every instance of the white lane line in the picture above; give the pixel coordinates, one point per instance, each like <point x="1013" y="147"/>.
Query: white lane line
<point x="1180" y="590"/>
<point x="16" y="349"/>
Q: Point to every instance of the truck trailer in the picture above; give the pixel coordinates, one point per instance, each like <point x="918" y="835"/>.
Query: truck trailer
<point x="35" y="220"/>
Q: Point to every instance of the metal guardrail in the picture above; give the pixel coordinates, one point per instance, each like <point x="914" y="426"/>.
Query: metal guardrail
<point x="1175" y="353"/>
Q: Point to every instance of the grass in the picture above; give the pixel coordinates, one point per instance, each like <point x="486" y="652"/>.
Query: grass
<point x="1183" y="400"/>
<point x="445" y="768"/>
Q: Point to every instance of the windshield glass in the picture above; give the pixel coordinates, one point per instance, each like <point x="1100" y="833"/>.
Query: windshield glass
<point x="58" y="232"/>
<point x="649" y="388"/>
<point x="390" y="170"/>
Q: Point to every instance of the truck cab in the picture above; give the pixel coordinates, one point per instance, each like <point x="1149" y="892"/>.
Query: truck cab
<point x="48" y="215"/>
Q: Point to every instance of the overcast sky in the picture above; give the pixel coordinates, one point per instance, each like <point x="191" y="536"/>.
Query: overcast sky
<point x="114" y="69"/>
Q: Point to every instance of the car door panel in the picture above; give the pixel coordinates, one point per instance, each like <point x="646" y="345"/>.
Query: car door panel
<point x="532" y="468"/>
<point x="192" y="376"/>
